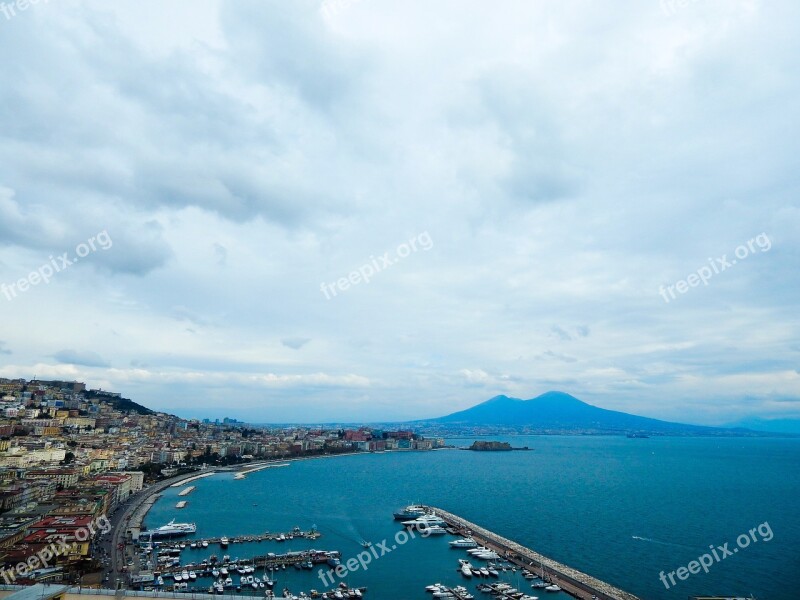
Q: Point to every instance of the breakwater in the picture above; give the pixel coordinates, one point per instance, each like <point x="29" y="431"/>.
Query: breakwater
<point x="572" y="581"/>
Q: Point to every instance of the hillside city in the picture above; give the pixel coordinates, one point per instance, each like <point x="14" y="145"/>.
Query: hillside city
<point x="71" y="455"/>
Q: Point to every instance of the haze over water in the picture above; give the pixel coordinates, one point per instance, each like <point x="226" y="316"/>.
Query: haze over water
<point x="619" y="509"/>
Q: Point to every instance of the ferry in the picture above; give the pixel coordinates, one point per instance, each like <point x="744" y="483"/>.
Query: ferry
<point x="412" y="511"/>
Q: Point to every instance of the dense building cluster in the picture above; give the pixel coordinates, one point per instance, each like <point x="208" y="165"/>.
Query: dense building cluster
<point x="69" y="455"/>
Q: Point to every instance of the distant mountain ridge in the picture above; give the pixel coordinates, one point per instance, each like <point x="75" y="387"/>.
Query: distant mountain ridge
<point x="559" y="411"/>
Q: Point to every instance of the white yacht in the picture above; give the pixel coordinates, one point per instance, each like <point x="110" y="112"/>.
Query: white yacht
<point x="424" y="520"/>
<point x="432" y="530"/>
<point x="173" y="528"/>
<point x="552" y="588"/>
<point x="464" y="543"/>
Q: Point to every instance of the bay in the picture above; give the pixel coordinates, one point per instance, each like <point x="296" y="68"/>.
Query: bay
<point x="620" y="509"/>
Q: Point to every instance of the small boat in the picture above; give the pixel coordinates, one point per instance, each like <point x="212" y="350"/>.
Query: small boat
<point x="484" y="572"/>
<point x="193" y="545"/>
<point x="223" y="542"/>
<point x="538" y="585"/>
<point x="493" y="572"/>
<point x="204" y="544"/>
<point x="433" y="588"/>
<point x="215" y="573"/>
<point x="466" y="571"/>
<point x="552" y="588"/>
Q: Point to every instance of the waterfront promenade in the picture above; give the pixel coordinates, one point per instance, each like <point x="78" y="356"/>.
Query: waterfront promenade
<point x="577" y="584"/>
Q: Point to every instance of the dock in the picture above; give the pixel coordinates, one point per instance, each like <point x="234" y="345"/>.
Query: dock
<point x="181" y="504"/>
<point x="577" y="584"/>
<point x="187" y="491"/>
<point x="190" y="479"/>
<point x="242" y="474"/>
<point x="312" y="534"/>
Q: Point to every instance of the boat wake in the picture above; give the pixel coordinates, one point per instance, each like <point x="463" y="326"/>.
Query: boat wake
<point x="652" y="541"/>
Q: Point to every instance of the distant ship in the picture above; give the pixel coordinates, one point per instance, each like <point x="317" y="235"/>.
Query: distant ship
<point x="638" y="435"/>
<point x="173" y="528"/>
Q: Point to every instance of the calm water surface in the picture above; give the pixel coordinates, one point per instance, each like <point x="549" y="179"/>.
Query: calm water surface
<point x="619" y="509"/>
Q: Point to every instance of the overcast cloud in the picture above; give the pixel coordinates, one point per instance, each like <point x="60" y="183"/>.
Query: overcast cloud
<point x="567" y="158"/>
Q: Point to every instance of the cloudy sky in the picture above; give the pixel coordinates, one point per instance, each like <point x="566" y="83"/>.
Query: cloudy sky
<point x="536" y="171"/>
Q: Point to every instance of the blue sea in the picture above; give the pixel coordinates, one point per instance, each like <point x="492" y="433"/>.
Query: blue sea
<point x="620" y="509"/>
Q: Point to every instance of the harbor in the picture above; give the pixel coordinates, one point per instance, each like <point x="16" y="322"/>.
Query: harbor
<point x="574" y="582"/>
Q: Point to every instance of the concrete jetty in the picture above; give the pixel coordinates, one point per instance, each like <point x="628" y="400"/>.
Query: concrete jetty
<point x="577" y="584"/>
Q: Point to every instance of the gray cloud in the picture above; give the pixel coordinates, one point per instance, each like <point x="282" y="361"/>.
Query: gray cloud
<point x="84" y="358"/>
<point x="295" y="343"/>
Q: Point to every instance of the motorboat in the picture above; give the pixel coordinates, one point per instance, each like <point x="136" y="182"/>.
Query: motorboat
<point x="538" y="585"/>
<point x="464" y="543"/>
<point x="552" y="588"/>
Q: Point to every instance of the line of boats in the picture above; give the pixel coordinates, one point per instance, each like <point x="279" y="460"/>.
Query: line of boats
<point x="417" y="516"/>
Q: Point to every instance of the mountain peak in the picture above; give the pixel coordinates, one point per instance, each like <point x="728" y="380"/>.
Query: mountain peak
<point x="560" y="411"/>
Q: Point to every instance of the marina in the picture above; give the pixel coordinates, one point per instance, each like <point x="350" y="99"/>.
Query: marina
<point x="559" y="576"/>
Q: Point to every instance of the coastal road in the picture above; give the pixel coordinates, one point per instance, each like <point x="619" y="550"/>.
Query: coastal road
<point x="114" y="545"/>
